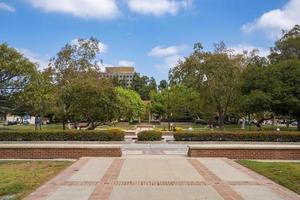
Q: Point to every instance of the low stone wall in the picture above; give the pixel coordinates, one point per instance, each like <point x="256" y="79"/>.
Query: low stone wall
<point x="246" y="151"/>
<point x="56" y="151"/>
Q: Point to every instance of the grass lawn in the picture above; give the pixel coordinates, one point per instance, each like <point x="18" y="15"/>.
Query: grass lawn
<point x="47" y="127"/>
<point x="286" y="174"/>
<point x="58" y="127"/>
<point x="20" y="178"/>
<point x="162" y="126"/>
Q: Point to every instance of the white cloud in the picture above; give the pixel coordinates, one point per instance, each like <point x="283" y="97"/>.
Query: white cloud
<point x="6" y="7"/>
<point x="274" y="21"/>
<point x="241" y="48"/>
<point x="170" y="62"/>
<point x="41" y="60"/>
<point x="160" y="51"/>
<point x="102" y="47"/>
<point x="88" y="9"/>
<point x="158" y="7"/>
<point x="126" y="63"/>
<point x="170" y="56"/>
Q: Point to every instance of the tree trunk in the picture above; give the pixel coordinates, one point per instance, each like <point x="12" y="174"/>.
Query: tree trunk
<point x="298" y="124"/>
<point x="64" y="125"/>
<point x="259" y="123"/>
<point x="91" y="126"/>
<point x="221" y="121"/>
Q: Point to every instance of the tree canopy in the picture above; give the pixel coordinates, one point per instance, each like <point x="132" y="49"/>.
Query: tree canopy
<point x="130" y="104"/>
<point x="16" y="71"/>
<point x="215" y="75"/>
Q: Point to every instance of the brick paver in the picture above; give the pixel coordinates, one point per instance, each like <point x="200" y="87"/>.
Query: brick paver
<point x="160" y="177"/>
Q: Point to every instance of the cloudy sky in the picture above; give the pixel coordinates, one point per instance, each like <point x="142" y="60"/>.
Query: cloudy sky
<point x="152" y="35"/>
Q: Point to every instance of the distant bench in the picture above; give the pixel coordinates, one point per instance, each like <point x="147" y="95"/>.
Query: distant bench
<point x="246" y="151"/>
<point x="56" y="151"/>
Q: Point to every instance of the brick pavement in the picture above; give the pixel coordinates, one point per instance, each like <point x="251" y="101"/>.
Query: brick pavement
<point x="160" y="177"/>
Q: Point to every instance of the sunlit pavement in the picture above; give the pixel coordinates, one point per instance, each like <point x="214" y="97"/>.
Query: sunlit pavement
<point x="161" y="176"/>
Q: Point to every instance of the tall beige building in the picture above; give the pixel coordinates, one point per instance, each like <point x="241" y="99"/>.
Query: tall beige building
<point x="122" y="73"/>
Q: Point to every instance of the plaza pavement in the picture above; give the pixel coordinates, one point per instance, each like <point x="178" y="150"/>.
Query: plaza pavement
<point x="167" y="175"/>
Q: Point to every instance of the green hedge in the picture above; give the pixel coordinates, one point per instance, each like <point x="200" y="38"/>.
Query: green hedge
<point x="150" y="136"/>
<point x="261" y="136"/>
<point x="108" y="135"/>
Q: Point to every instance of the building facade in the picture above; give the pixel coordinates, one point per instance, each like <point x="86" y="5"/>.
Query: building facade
<point x="123" y="74"/>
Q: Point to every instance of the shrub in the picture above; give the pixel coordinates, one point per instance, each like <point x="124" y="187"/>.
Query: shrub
<point x="150" y="136"/>
<point x="74" y="135"/>
<point x="260" y="136"/>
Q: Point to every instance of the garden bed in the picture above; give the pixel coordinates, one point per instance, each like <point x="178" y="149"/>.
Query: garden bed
<point x="255" y="136"/>
<point x="103" y="135"/>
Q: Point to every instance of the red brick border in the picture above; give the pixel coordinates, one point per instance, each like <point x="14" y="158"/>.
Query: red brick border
<point x="104" y="188"/>
<point x="280" y="154"/>
<point x="221" y="187"/>
<point x="52" y="153"/>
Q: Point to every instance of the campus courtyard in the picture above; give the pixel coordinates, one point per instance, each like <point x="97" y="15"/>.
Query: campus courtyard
<point x="149" y="100"/>
<point x="37" y="166"/>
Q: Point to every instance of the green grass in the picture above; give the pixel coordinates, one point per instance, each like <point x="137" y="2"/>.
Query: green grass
<point x="286" y="174"/>
<point x="20" y="178"/>
<point x="163" y="126"/>
<point x="47" y="127"/>
<point x="58" y="127"/>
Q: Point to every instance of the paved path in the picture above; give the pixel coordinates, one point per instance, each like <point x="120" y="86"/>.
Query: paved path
<point x="146" y="177"/>
<point x="154" y="149"/>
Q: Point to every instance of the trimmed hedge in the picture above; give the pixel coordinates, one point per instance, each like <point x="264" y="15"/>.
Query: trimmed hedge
<point x="74" y="135"/>
<point x="150" y="136"/>
<point x="262" y="136"/>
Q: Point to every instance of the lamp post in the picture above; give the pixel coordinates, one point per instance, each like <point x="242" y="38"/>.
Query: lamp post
<point x="168" y="109"/>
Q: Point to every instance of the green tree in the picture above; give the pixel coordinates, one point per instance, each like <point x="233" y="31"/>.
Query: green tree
<point x="184" y="102"/>
<point x="75" y="62"/>
<point x="255" y="86"/>
<point x="285" y="57"/>
<point x="275" y="86"/>
<point x="143" y="85"/>
<point x="163" y="84"/>
<point x="287" y="47"/>
<point x="15" y="73"/>
<point x="90" y="99"/>
<point x="38" y="97"/>
<point x="130" y="104"/>
<point x="215" y="75"/>
<point x="157" y="104"/>
<point x="181" y="101"/>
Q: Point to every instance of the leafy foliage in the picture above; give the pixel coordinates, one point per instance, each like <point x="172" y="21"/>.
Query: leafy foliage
<point x="15" y="73"/>
<point x="109" y="135"/>
<point x="150" y="136"/>
<point x="238" y="136"/>
<point x="130" y="105"/>
<point x="215" y="75"/>
<point x="143" y="85"/>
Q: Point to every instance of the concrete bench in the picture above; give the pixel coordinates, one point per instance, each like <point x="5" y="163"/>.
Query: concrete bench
<point x="56" y="151"/>
<point x="246" y="151"/>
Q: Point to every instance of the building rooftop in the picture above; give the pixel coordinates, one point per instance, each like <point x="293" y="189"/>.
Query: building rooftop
<point x="123" y="70"/>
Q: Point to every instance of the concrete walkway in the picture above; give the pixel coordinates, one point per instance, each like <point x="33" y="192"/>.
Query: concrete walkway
<point x="147" y="177"/>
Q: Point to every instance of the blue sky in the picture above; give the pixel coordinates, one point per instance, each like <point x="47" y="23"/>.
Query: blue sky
<point x="150" y="34"/>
